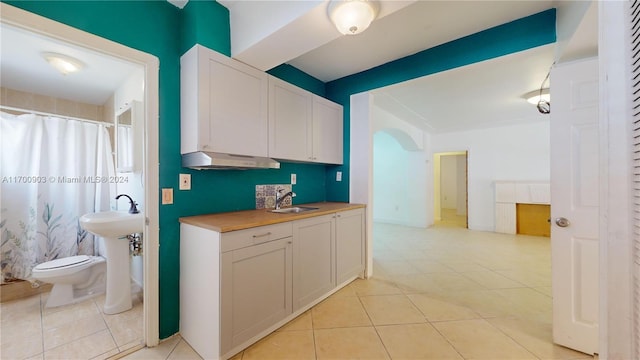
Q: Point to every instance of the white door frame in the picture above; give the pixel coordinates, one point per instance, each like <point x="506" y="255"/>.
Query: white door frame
<point x="437" y="170"/>
<point x="616" y="221"/>
<point x="40" y="25"/>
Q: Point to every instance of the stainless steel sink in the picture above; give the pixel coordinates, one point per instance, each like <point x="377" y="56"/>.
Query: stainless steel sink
<point x="295" y="210"/>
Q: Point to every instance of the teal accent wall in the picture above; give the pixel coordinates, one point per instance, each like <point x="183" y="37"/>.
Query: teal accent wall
<point x="298" y="78"/>
<point x="205" y="23"/>
<point x="522" y="34"/>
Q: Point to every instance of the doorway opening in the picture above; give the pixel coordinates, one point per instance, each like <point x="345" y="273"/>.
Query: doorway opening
<point x="450" y="191"/>
<point x="82" y="43"/>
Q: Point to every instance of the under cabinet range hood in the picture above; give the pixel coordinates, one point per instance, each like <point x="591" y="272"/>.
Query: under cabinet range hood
<point x="201" y="160"/>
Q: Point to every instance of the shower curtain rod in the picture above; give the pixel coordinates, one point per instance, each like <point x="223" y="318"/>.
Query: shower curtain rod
<point x="11" y="108"/>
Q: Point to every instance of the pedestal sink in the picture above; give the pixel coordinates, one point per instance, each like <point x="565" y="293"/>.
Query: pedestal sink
<point x="113" y="227"/>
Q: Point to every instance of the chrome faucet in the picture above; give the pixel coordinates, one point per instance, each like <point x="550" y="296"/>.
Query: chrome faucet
<point x="280" y="197"/>
<point x="133" y="209"/>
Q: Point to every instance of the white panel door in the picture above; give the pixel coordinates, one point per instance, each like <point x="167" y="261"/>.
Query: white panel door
<point x="574" y="197"/>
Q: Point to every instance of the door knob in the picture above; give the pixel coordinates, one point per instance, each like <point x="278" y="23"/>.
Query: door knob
<point x="562" y="222"/>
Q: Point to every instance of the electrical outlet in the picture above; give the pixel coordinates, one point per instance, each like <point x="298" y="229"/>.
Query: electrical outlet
<point x="293" y="179"/>
<point x="185" y="182"/>
<point x="339" y="176"/>
<point x="167" y="196"/>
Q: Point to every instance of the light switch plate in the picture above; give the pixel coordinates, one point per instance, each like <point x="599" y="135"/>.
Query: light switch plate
<point x="293" y="179"/>
<point x="167" y="196"/>
<point x="339" y="176"/>
<point x="185" y="182"/>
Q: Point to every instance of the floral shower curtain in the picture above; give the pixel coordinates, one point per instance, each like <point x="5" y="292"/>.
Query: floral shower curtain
<point x="52" y="171"/>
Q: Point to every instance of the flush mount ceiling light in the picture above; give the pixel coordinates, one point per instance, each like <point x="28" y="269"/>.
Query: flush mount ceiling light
<point x="535" y="96"/>
<point x="63" y="63"/>
<point x="541" y="98"/>
<point x="352" y="16"/>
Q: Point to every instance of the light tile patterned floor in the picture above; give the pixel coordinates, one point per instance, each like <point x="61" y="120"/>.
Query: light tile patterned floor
<point x="439" y="293"/>
<point x="450" y="218"/>
<point x="78" y="331"/>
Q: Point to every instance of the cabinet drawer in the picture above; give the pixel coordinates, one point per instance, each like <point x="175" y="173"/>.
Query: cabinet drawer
<point x="242" y="238"/>
<point x="348" y="213"/>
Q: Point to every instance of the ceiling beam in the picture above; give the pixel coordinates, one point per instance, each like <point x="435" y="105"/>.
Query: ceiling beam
<point x="265" y="34"/>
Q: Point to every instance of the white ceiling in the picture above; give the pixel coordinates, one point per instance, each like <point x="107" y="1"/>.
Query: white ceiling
<point x="419" y="26"/>
<point x="475" y="96"/>
<point x="479" y="95"/>
<point x="23" y="68"/>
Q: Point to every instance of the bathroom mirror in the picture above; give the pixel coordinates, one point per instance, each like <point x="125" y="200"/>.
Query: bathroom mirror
<point x="127" y="124"/>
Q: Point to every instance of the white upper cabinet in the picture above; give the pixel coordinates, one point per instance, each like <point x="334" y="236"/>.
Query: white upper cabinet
<point x="223" y="104"/>
<point x="327" y="131"/>
<point x="290" y="123"/>
<point x="303" y="126"/>
<point x="229" y="107"/>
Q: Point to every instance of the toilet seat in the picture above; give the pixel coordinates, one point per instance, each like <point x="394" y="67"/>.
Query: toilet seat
<point x="63" y="262"/>
<point x="62" y="266"/>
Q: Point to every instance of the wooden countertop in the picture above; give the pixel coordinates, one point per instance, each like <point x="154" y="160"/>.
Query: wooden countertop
<point x="238" y="220"/>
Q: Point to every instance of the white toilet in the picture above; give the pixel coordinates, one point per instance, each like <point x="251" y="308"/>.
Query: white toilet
<point x="74" y="278"/>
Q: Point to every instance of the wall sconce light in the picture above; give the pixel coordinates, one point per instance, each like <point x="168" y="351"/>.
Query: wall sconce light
<point x="352" y="16"/>
<point x="63" y="63"/>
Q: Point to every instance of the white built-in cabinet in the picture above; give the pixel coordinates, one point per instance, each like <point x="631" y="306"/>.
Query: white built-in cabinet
<point x="256" y="281"/>
<point x="290" y="111"/>
<point x="223" y="105"/>
<point x="303" y="126"/>
<point x="327" y="250"/>
<point x="314" y="251"/>
<point x="230" y="107"/>
<point x="349" y="244"/>
<point x="327" y="131"/>
<point x="237" y="287"/>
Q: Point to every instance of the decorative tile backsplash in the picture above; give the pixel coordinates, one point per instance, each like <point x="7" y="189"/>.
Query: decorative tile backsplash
<point x="266" y="196"/>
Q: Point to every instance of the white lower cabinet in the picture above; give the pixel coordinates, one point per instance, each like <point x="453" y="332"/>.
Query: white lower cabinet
<point x="349" y="244"/>
<point x="255" y="290"/>
<point x="237" y="287"/>
<point x="314" y="251"/>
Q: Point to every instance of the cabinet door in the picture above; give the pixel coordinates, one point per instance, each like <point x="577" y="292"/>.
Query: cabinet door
<point x="255" y="291"/>
<point x="350" y="244"/>
<point x="237" y="104"/>
<point x="223" y="105"/>
<point x="290" y="111"/>
<point x="313" y="259"/>
<point x="327" y="131"/>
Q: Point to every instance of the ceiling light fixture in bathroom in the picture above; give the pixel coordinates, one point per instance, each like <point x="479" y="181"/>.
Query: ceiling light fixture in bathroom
<point x="63" y="63"/>
<point x="352" y="16"/>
